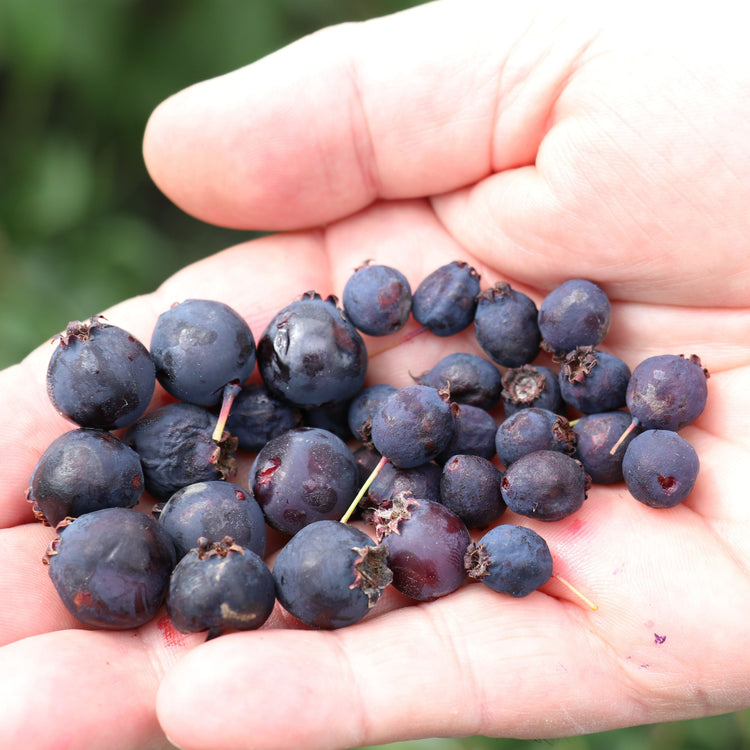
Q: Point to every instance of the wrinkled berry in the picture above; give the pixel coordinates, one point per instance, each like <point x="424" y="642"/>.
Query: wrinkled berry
<point x="592" y="381"/>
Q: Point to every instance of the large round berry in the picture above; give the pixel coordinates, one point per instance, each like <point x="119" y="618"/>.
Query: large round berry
<point x="311" y="354"/>
<point x="377" y="299"/>
<point x="111" y="567"/>
<point x="446" y="299"/>
<point x="200" y="345"/>
<point x="330" y="575"/>
<point x="100" y="375"/>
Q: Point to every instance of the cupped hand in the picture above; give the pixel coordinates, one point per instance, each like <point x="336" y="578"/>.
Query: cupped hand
<point x="538" y="143"/>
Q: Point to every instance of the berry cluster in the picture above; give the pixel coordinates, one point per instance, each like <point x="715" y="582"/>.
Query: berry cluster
<point x="430" y="467"/>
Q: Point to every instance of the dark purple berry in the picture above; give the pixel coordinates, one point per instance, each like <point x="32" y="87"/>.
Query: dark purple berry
<point x="377" y="299"/>
<point x="304" y="475"/>
<point x="422" y="481"/>
<point x="426" y="546"/>
<point x="84" y="470"/>
<point x="531" y="385"/>
<point x="546" y="485"/>
<point x="219" y="587"/>
<point x="474" y="432"/>
<point x="445" y="301"/>
<point x="592" y="381"/>
<point x="330" y="575"/>
<point x="111" y="567"/>
<point x="212" y="511"/>
<point x="660" y="468"/>
<point x="470" y="487"/>
<point x="576" y="313"/>
<point x="510" y="559"/>
<point x="596" y="434"/>
<point x="100" y="375"/>
<point x="363" y="407"/>
<point x="506" y="325"/>
<point x="176" y="449"/>
<point x="532" y="430"/>
<point x="331" y="417"/>
<point x="311" y="354"/>
<point x="413" y="425"/>
<point x="470" y="379"/>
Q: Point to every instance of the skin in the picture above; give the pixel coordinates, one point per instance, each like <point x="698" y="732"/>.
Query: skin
<point x="538" y="142"/>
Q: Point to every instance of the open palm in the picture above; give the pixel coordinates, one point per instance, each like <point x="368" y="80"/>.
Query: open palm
<point x="538" y="145"/>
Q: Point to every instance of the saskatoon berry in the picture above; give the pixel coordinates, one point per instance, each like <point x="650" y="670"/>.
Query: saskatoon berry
<point x="413" y="425"/>
<point x="546" y="485"/>
<point x="220" y="586"/>
<point x="330" y="575"/>
<point x="592" y="381"/>
<point x="660" y="468"/>
<point x="530" y="430"/>
<point x="474" y="432"/>
<point x="531" y="385"/>
<point x="595" y="436"/>
<point x="576" y="313"/>
<point x="200" y="345"/>
<point x="111" y="567"/>
<point x="304" y="475"/>
<point x="331" y="417"/>
<point x="100" y="375"/>
<point x="377" y="299"/>
<point x="311" y="354"/>
<point x="506" y="325"/>
<point x="426" y="545"/>
<point x="422" y="481"/>
<point x="212" y="511"/>
<point x="445" y="301"/>
<point x="510" y="559"/>
<point x="84" y="470"/>
<point x="470" y="487"/>
<point x="363" y="407"/>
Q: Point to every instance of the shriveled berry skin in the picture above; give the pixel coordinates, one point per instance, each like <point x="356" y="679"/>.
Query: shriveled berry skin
<point x="445" y="301"/>
<point x="531" y="386"/>
<point x="200" y="345"/>
<point x="511" y="559"/>
<point x="531" y="430"/>
<point x="377" y="299"/>
<point x="310" y="354"/>
<point x="592" y="381"/>
<point x="505" y="324"/>
<point x="426" y="545"/>
<point x="660" y="468"/>
<point x="470" y="379"/>
<point x="111" y="567"/>
<point x="667" y="392"/>
<point x="576" y="313"/>
<point x="84" y="470"/>
<point x="596" y="434"/>
<point x="176" y="449"/>
<point x="546" y="485"/>
<point x="364" y="405"/>
<point x="470" y="487"/>
<point x="330" y="575"/>
<point x="218" y="587"/>
<point x="304" y="475"/>
<point x="211" y="511"/>
<point x="100" y="375"/>
<point x="474" y="432"/>
<point x="413" y="425"/>
<point x="257" y="416"/>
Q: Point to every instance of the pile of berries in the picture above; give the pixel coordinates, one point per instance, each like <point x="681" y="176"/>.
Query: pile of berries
<point x="422" y="465"/>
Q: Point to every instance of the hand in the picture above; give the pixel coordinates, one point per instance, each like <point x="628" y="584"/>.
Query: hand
<point x="539" y="142"/>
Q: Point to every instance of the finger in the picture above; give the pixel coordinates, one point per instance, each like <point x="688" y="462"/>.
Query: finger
<point x="382" y="109"/>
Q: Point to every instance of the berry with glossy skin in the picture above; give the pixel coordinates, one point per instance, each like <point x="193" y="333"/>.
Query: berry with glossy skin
<point x="176" y="449"/>
<point x="531" y="386"/>
<point x="511" y="560"/>
<point x="81" y="471"/>
<point x="470" y="487"/>
<point x="505" y="324"/>
<point x="413" y="425"/>
<point x="100" y="375"/>
<point x="474" y="432"/>
<point x="212" y="511"/>
<point x="377" y="299"/>
<point x="219" y="587"/>
<point x="363" y="406"/>
<point x="546" y="485"/>
<point x="330" y="575"/>
<point x="311" y="354"/>
<point x="595" y="436"/>
<point x="470" y="379"/>
<point x="304" y="475"/>
<point x="111" y="567"/>
<point x="445" y="301"/>
<point x="531" y="430"/>
<point x="592" y="381"/>
<point x="426" y="545"/>
<point x="660" y="468"/>
<point x="200" y="345"/>
<point x="576" y="313"/>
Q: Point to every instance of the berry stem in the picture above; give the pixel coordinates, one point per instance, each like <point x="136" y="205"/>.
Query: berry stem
<point x="572" y="588"/>
<point x="363" y="489"/>
<point x="622" y="437"/>
<point x="231" y="389"/>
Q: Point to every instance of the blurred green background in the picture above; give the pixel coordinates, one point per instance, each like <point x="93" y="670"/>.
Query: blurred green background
<point x="82" y="227"/>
